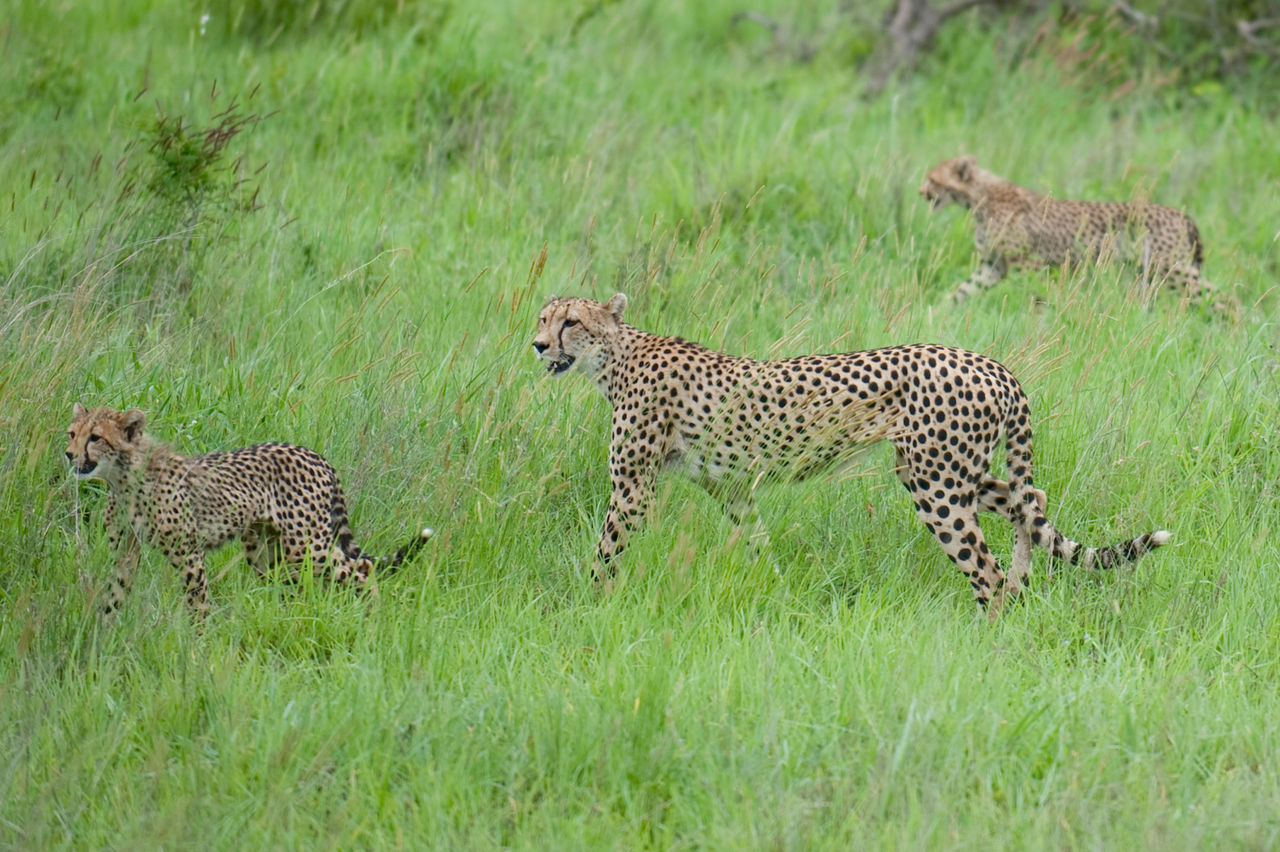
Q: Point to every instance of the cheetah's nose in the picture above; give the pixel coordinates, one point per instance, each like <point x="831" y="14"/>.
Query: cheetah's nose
<point x="541" y="347"/>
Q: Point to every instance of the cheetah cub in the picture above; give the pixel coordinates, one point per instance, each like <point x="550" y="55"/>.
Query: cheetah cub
<point x="281" y="501"/>
<point x="1014" y="226"/>
<point x="732" y="423"/>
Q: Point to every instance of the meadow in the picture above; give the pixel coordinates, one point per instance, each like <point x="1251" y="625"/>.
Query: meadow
<point x="338" y="232"/>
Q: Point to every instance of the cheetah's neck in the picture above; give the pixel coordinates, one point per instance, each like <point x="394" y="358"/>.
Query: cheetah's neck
<point x="993" y="195"/>
<point x="633" y="353"/>
<point x="147" y="461"/>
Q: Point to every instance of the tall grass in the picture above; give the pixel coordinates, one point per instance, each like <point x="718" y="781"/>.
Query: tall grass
<point x="424" y="178"/>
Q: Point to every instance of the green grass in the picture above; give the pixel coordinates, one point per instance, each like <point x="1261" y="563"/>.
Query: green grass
<point x="840" y="689"/>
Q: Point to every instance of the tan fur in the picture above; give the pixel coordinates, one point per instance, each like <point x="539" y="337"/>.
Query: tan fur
<point x="284" y="503"/>
<point x="1016" y="227"/>
<point x="732" y="423"/>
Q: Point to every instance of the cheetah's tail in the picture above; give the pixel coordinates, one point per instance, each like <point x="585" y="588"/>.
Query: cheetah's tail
<point x="1095" y="558"/>
<point x="385" y="564"/>
<point x="345" y="538"/>
<point x="1030" y="513"/>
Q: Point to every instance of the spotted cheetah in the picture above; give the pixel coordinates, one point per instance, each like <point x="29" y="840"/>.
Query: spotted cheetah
<point x="281" y="501"/>
<point x="1014" y="226"/>
<point x="731" y="423"/>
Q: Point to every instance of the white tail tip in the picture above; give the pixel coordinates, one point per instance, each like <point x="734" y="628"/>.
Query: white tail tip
<point x="1159" y="537"/>
<point x="427" y="532"/>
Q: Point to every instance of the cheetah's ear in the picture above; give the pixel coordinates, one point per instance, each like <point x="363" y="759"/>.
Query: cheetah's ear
<point x="965" y="166"/>
<point x="78" y="411"/>
<point x="133" y="421"/>
<point x="617" y="305"/>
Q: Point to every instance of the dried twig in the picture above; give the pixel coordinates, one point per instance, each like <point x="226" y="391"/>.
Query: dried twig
<point x="911" y="26"/>
<point x="756" y="18"/>
<point x="1142" y="19"/>
<point x="1248" y="31"/>
<point x="783" y="42"/>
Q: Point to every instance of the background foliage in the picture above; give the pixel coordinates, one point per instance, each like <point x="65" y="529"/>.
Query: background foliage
<point x="333" y="224"/>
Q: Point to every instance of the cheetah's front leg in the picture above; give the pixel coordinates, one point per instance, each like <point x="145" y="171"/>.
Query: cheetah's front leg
<point x="632" y="471"/>
<point x="127" y="549"/>
<point x="740" y="505"/>
<point x="990" y="272"/>
<point x="746" y="517"/>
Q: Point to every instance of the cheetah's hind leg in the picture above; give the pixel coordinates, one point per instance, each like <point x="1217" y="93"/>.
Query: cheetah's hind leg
<point x="262" y="549"/>
<point x="956" y="530"/>
<point x="994" y="496"/>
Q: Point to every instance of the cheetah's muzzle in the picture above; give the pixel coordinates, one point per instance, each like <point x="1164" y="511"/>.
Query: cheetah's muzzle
<point x="560" y="365"/>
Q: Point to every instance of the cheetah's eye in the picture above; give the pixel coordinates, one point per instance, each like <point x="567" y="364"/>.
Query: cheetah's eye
<point x="570" y="323"/>
<point x="94" y="438"/>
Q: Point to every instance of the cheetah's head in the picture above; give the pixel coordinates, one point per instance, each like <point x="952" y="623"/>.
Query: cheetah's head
<point x="951" y="182"/>
<point x="100" y="440"/>
<point x="576" y="332"/>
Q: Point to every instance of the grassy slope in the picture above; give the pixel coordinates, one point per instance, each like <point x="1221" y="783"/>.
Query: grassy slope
<point x="378" y="308"/>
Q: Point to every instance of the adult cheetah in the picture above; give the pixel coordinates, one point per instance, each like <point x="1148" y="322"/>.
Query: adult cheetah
<point x="731" y="423"/>
<point x="1014" y="226"/>
<point x="283" y="502"/>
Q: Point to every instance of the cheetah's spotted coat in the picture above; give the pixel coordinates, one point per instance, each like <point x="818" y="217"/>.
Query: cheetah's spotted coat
<point x="284" y="503"/>
<point x="730" y="423"/>
<point x="1014" y="226"/>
